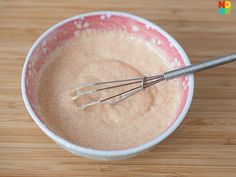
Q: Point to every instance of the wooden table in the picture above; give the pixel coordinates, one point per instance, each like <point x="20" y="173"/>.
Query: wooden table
<point x="203" y="146"/>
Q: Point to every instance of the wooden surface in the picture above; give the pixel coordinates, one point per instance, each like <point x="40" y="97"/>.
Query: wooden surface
<point x="203" y="146"/>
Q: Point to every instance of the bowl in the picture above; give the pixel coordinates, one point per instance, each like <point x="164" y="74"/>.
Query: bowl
<point x="103" y="20"/>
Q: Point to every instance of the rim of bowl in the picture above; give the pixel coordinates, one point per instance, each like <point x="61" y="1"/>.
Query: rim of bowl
<point x="109" y="153"/>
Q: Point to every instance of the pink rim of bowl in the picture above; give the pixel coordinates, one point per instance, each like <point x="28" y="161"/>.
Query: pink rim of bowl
<point x="109" y="19"/>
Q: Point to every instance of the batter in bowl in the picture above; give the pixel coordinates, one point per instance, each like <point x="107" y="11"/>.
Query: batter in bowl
<point x="99" y="56"/>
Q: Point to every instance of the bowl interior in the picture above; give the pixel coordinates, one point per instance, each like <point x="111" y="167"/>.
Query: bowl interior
<point x="104" y="21"/>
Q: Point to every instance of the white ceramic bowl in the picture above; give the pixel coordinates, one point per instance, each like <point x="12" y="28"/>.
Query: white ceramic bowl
<point x="108" y="20"/>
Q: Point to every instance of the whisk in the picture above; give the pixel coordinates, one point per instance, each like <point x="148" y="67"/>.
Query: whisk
<point x="144" y="82"/>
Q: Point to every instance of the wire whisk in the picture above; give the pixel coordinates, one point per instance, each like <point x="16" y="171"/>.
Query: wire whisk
<point x="144" y="82"/>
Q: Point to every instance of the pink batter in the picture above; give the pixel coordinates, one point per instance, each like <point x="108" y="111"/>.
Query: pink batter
<point x="103" y="56"/>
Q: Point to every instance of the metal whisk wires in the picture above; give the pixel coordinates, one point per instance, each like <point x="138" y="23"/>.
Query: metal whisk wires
<point x="144" y="82"/>
<point x="139" y="85"/>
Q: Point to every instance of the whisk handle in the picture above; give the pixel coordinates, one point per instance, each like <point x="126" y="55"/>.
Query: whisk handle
<point x="191" y="69"/>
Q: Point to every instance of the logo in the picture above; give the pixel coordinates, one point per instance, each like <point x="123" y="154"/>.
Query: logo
<point x="224" y="7"/>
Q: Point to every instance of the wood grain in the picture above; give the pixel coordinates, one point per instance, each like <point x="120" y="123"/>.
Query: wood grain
<point x="203" y="146"/>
